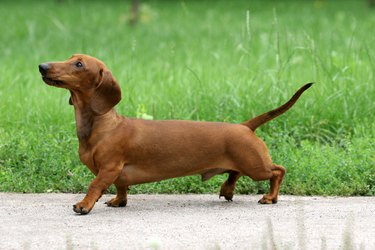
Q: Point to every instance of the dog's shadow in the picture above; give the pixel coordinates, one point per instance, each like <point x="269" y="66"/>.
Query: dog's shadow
<point x="182" y="203"/>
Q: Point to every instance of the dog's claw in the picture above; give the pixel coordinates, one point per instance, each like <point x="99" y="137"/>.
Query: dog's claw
<point x="80" y="210"/>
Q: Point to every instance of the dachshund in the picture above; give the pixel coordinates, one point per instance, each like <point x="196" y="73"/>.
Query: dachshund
<point x="124" y="151"/>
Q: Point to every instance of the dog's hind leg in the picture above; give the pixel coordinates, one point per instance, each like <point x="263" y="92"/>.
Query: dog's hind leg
<point x="278" y="173"/>
<point x="228" y="186"/>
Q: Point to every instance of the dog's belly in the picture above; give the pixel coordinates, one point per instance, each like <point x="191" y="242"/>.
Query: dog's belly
<point x="137" y="174"/>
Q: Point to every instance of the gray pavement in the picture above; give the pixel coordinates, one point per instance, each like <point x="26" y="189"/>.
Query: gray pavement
<point x="47" y="221"/>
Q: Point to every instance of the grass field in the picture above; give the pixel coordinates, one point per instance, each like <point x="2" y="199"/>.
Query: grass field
<point x="200" y="60"/>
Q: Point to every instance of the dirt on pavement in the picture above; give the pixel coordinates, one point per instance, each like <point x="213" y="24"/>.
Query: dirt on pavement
<point x="47" y="221"/>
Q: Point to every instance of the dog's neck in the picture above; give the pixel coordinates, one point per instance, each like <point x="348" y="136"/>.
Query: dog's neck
<point x="84" y="116"/>
<point x="89" y="124"/>
<point x="84" y="123"/>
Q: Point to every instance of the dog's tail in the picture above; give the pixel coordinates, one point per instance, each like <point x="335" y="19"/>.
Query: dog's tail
<point x="258" y="121"/>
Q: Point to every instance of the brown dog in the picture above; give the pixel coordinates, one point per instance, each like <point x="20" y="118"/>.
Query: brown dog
<point x="128" y="151"/>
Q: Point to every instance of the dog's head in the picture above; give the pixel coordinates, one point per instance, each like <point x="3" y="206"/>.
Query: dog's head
<point x="86" y="77"/>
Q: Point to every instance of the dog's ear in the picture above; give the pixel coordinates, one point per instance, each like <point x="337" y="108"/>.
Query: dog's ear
<point x="107" y="93"/>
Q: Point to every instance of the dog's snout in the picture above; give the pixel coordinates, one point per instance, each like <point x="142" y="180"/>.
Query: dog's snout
<point x="43" y="68"/>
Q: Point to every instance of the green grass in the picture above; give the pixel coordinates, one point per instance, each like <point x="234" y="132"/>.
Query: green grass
<point x="199" y="60"/>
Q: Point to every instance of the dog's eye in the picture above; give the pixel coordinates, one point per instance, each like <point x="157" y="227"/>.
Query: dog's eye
<point x="79" y="64"/>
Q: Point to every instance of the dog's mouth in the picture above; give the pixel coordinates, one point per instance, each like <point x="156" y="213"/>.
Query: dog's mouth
<point x="52" y="82"/>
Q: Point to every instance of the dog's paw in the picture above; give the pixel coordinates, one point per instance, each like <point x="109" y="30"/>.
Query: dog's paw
<point x="116" y="202"/>
<point x="81" y="208"/>
<point x="226" y="192"/>
<point x="227" y="195"/>
<point x="227" y="198"/>
<point x="266" y="199"/>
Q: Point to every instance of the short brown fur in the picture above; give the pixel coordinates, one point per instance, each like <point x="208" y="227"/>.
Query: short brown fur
<point x="124" y="151"/>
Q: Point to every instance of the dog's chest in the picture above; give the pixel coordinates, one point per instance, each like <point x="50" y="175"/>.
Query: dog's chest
<point x="86" y="158"/>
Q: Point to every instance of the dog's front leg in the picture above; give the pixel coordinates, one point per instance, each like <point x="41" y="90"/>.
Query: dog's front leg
<point x="121" y="198"/>
<point x="106" y="176"/>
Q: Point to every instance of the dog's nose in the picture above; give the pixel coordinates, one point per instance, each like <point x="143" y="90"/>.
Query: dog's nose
<point x="43" y="68"/>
